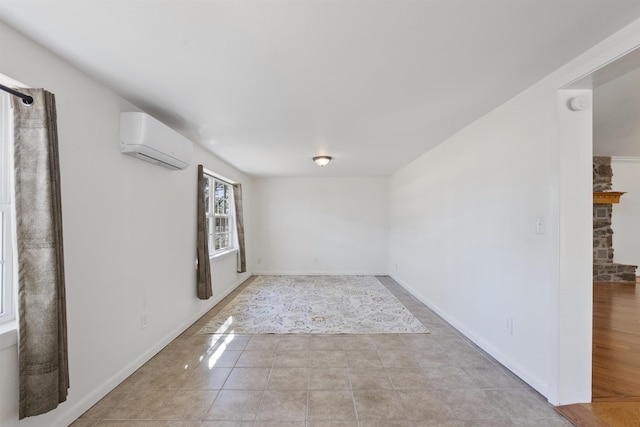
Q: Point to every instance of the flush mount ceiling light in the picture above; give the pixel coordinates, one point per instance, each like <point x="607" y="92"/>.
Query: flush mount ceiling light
<point x="322" y="160"/>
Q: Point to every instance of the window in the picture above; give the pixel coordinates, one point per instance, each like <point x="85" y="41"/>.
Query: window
<point x="218" y="196"/>
<point x="6" y="261"/>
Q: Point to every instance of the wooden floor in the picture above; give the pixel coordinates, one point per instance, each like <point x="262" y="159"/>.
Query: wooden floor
<point x="616" y="340"/>
<point x="616" y="359"/>
<point x="614" y="412"/>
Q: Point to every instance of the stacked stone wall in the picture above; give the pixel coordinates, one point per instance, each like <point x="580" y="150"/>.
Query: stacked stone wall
<point x="604" y="269"/>
<point x="602" y="174"/>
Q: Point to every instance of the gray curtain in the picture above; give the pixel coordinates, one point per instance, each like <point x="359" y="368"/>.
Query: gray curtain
<point x="204" y="266"/>
<point x="237" y="198"/>
<point x="42" y="345"/>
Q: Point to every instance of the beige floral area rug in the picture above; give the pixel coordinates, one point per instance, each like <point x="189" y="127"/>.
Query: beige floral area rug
<point x="314" y="305"/>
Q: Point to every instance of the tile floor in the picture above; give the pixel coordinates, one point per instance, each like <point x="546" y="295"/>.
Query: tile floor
<point x="226" y="380"/>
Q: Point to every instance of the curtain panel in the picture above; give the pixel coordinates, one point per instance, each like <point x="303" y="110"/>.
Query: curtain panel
<point x="204" y="289"/>
<point x="42" y="335"/>
<point x="237" y="199"/>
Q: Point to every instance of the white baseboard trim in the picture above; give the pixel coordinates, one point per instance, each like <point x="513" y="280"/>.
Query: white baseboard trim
<point x="508" y="363"/>
<point x="317" y="273"/>
<point x="73" y="412"/>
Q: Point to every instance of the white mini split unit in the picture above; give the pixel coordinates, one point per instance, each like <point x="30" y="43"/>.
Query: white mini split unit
<point x="148" y="139"/>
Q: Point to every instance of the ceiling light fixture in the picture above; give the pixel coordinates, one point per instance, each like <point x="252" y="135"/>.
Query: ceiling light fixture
<point x="322" y="160"/>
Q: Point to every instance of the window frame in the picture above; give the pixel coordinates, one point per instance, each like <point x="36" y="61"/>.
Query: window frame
<point x="7" y="282"/>
<point x="212" y="215"/>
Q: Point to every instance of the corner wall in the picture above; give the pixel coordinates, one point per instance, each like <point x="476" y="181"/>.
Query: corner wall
<point x="129" y="230"/>
<point x="320" y="225"/>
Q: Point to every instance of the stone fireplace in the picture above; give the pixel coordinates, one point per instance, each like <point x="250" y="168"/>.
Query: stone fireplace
<point x="604" y="269"/>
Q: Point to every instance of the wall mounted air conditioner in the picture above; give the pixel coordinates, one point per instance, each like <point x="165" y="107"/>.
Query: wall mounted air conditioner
<point x="148" y="139"/>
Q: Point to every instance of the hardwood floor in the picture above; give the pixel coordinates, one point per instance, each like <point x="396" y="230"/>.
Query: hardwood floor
<point x="614" y="412"/>
<point x="616" y="360"/>
<point x="616" y="340"/>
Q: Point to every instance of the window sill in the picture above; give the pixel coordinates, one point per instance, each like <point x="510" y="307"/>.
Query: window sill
<point x="8" y="334"/>
<point x="222" y="255"/>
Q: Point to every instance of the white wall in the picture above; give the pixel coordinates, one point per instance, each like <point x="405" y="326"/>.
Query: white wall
<point x="462" y="229"/>
<point x="129" y="230"/>
<point x="616" y="108"/>
<point x="463" y="232"/>
<point x="320" y="225"/>
<point x="572" y="297"/>
<point x="626" y="214"/>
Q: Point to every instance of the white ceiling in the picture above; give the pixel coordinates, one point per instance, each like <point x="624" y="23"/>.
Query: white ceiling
<point x="267" y="84"/>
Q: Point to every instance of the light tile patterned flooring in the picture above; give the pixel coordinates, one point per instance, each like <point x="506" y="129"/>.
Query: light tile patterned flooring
<point x="387" y="380"/>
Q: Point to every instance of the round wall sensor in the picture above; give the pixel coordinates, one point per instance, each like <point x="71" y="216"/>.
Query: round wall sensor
<point x="578" y="103"/>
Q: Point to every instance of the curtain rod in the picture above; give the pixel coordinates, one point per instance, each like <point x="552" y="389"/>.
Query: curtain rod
<point x="25" y="98"/>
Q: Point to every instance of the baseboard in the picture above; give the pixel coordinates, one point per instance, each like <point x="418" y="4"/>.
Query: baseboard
<point x="79" y="408"/>
<point x="318" y="273"/>
<point x="514" y="367"/>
